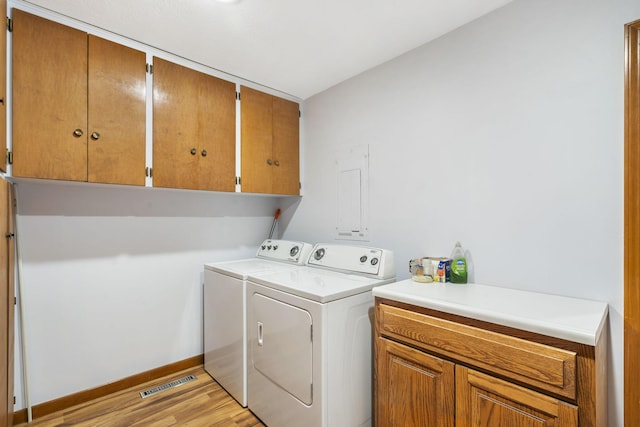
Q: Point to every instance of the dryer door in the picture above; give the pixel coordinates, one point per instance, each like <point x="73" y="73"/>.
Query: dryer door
<point x="282" y="349"/>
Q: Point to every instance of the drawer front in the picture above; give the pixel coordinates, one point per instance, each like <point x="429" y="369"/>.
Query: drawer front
<point x="547" y="368"/>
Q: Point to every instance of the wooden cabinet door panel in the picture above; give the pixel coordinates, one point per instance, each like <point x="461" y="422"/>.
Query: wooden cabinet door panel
<point x="256" y="111"/>
<point x="286" y="146"/>
<point x="412" y="387"/>
<point x="485" y="401"/>
<point x="217" y="148"/>
<point x="192" y="112"/>
<point x="6" y="305"/>
<point x="3" y="92"/>
<point x="49" y="99"/>
<point x="116" y="113"/>
<point x="174" y="132"/>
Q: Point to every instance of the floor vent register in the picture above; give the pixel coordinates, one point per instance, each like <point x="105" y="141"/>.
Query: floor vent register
<point x="163" y="387"/>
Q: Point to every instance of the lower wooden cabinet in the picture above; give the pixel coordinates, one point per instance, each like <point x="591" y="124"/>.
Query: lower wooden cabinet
<point x="483" y="400"/>
<point x="433" y="369"/>
<point x="414" y="388"/>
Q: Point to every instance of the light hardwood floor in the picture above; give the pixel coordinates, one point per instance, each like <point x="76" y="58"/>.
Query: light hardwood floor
<point x="201" y="402"/>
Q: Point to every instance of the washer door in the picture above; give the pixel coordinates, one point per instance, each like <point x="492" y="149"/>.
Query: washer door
<point x="282" y="349"/>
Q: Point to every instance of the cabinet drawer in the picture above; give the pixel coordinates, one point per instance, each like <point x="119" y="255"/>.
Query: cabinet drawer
<point x="541" y="366"/>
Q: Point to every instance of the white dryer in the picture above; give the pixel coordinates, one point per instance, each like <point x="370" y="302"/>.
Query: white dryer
<point x="225" y="327"/>
<point x="310" y="338"/>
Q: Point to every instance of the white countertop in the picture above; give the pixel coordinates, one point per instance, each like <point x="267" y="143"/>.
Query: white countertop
<point x="567" y="318"/>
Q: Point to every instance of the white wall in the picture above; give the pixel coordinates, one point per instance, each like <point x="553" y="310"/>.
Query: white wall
<point x="506" y="134"/>
<point x="112" y="277"/>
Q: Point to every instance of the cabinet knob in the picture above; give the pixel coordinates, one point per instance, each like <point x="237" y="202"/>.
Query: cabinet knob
<point x="204" y="153"/>
<point x="95" y="136"/>
<point x="78" y="133"/>
<point x="269" y="162"/>
<point x="277" y="163"/>
<point x="193" y="151"/>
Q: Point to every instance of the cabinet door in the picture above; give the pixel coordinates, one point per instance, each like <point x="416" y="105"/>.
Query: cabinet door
<point x="256" y="115"/>
<point x="116" y="113"/>
<point x="286" y="146"/>
<point x="193" y="129"/>
<point x="3" y="92"/>
<point x="485" y="401"/>
<point x="6" y="305"/>
<point x="270" y="129"/>
<point x="412" y="387"/>
<point x="49" y="99"/>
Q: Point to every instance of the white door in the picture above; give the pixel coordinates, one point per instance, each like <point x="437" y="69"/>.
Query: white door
<point x="282" y="348"/>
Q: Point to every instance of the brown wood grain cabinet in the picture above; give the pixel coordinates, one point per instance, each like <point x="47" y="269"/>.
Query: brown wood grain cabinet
<point x="438" y="369"/>
<point x="3" y="92"/>
<point x="7" y="256"/>
<point x="79" y="105"/>
<point x="270" y="143"/>
<point x="194" y="129"/>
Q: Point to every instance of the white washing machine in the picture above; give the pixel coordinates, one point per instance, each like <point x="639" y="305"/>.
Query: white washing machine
<point x="225" y="327"/>
<point x="310" y="338"/>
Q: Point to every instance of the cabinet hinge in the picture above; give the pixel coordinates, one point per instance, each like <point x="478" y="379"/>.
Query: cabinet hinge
<point x="238" y="180"/>
<point x="299" y="114"/>
<point x="15" y="302"/>
<point x="238" y="96"/>
<point x="148" y="172"/>
<point x="150" y="68"/>
<point x="9" y="24"/>
<point x="9" y="157"/>
<point x="9" y="235"/>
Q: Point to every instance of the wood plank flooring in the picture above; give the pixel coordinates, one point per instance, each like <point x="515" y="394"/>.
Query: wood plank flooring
<point x="201" y="402"/>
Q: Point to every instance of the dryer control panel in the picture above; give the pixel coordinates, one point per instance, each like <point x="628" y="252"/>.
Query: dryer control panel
<point x="353" y="259"/>
<point x="285" y="250"/>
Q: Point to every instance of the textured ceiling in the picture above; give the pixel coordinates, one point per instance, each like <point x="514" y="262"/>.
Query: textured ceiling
<point x="300" y="47"/>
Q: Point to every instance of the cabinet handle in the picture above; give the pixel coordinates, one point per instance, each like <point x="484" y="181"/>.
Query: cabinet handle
<point x="277" y="163"/>
<point x="95" y="136"/>
<point x="260" y="334"/>
<point x="269" y="162"/>
<point x="78" y="133"/>
<point x="193" y="151"/>
<point x="204" y="153"/>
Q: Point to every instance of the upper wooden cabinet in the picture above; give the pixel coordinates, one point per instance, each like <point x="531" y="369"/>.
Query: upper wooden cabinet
<point x="80" y="114"/>
<point x="79" y="105"/>
<point x="194" y="129"/>
<point x="270" y="138"/>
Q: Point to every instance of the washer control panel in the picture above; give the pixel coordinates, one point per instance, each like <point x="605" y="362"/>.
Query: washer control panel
<point x="285" y="250"/>
<point x="353" y="259"/>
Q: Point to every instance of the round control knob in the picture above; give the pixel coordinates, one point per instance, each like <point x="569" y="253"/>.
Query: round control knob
<point x="363" y="258"/>
<point x="318" y="254"/>
<point x="294" y="251"/>
<point x="269" y="247"/>
<point x="374" y="261"/>
<point x="275" y="247"/>
<point x="264" y="247"/>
